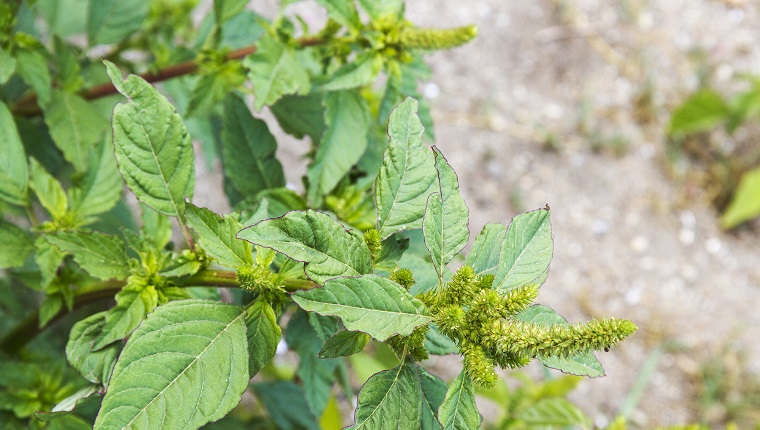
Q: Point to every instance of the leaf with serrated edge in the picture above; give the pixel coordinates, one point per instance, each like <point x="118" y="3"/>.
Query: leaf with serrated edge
<point x="581" y="364"/>
<point x="370" y="303"/>
<point x="526" y="251"/>
<point x="314" y="238"/>
<point x="14" y="176"/>
<point x="407" y="176"/>
<point x="263" y="335"/>
<point x="102" y="186"/>
<point x="216" y="236"/>
<point x="15" y="245"/>
<point x="153" y="149"/>
<point x="274" y="71"/>
<point x="445" y="224"/>
<point x="343" y="344"/>
<point x="196" y="378"/>
<point x="484" y="255"/>
<point x="100" y="255"/>
<point x="458" y="410"/>
<point x="95" y="366"/>
<point x="133" y="303"/>
<point x="390" y="399"/>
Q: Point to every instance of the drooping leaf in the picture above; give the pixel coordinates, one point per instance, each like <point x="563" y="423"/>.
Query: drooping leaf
<point x="95" y="366"/>
<point x="48" y="190"/>
<point x="377" y="9"/>
<point x="484" y="255"/>
<point x="226" y="9"/>
<point x="7" y="66"/>
<point x="342" y="11"/>
<point x="101" y="188"/>
<point x="358" y="73"/>
<point x="75" y="127"/>
<point x="153" y="149"/>
<point x="301" y="115"/>
<point x="704" y="110"/>
<point x="100" y="255"/>
<point x="446" y="221"/>
<point x="216" y="236"/>
<point x="14" y="177"/>
<point x="343" y="344"/>
<point x="408" y="174"/>
<point x="580" y="364"/>
<point x="16" y="245"/>
<point x="390" y="399"/>
<point x="526" y="251"/>
<point x="343" y="142"/>
<point x="316" y="239"/>
<point x="263" y="335"/>
<point x="197" y="378"/>
<point x="32" y="66"/>
<point x="286" y="404"/>
<point x="111" y="21"/>
<point x="745" y="204"/>
<point x="370" y="303"/>
<point x="275" y="71"/>
<point x="458" y="410"/>
<point x="556" y="413"/>
<point x="58" y="415"/>
<point x="248" y="150"/>
<point x="433" y="393"/>
<point x="133" y="303"/>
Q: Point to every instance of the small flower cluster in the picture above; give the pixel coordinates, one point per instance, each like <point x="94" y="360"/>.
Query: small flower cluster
<point x="261" y="280"/>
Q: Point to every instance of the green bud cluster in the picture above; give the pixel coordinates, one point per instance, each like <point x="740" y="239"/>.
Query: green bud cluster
<point x="374" y="243"/>
<point x="412" y="346"/>
<point x="403" y="277"/>
<point x="261" y="280"/>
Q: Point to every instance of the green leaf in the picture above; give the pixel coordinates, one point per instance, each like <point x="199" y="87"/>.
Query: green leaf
<point x="301" y="115"/>
<point x="153" y="149"/>
<point x="196" y="378"/>
<point x="275" y="71"/>
<point x="370" y="303"/>
<point x="101" y="188"/>
<point x="263" y="335"/>
<point x="390" y="399"/>
<point x="554" y="412"/>
<point x="75" y="127"/>
<point x="581" y="364"/>
<point x="48" y="190"/>
<point x="48" y="259"/>
<point x="343" y="344"/>
<point x="458" y="410"/>
<point x="526" y="251"/>
<point x="111" y="21"/>
<point x="286" y="404"/>
<point x="64" y="17"/>
<point x="248" y="150"/>
<point x="226" y="9"/>
<point x="212" y="87"/>
<point x="316" y="239"/>
<point x="95" y="366"/>
<point x="216" y="236"/>
<point x="60" y="411"/>
<point x="16" y="245"/>
<point x="14" y="178"/>
<point x="7" y="66"/>
<point x="358" y="73"/>
<point x="484" y="255"/>
<point x="704" y="110"/>
<point x="33" y="69"/>
<point x="156" y="228"/>
<point x="342" y="11"/>
<point x="377" y="9"/>
<point x="391" y="252"/>
<point x="438" y="343"/>
<point x="745" y="204"/>
<point x="433" y="394"/>
<point x="133" y="303"/>
<point x="445" y="224"/>
<point x="408" y="174"/>
<point x="100" y="255"/>
<point x="342" y="144"/>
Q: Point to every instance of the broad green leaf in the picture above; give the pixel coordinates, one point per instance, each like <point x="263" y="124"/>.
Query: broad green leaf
<point x="286" y="404"/>
<point x="275" y="71"/>
<point x="101" y="188"/>
<point x="111" y="21"/>
<point x="445" y="224"/>
<point x="377" y="9"/>
<point x="301" y="115"/>
<point x="554" y="412"/>
<point x="16" y="245"/>
<point x="358" y="73"/>
<point x="212" y="87"/>
<point x="316" y="239"/>
<point x="458" y="410"/>
<point x="133" y="303"/>
<point x="33" y="69"/>
<point x="95" y="366"/>
<point x="526" y="251"/>
<point x="370" y="303"/>
<point x="704" y="110"/>
<point x="216" y="236"/>
<point x="153" y="149"/>
<point x="342" y="11"/>
<point x="745" y="204"/>
<point x="7" y="66"/>
<point x="263" y="335"/>
<point x="226" y="9"/>
<point x="390" y="399"/>
<point x="48" y="190"/>
<point x="100" y="255"/>
<point x="484" y="255"/>
<point x="324" y="326"/>
<point x="438" y="343"/>
<point x="14" y="178"/>
<point x="48" y="259"/>
<point x="433" y="394"/>
<point x="581" y="364"/>
<point x="342" y="144"/>
<point x="69" y="72"/>
<point x="64" y="17"/>
<point x="196" y="378"/>
<point x="408" y="174"/>
<point x="393" y="249"/>
<point x="248" y="150"/>
<point x="343" y="344"/>
<point x="75" y="127"/>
